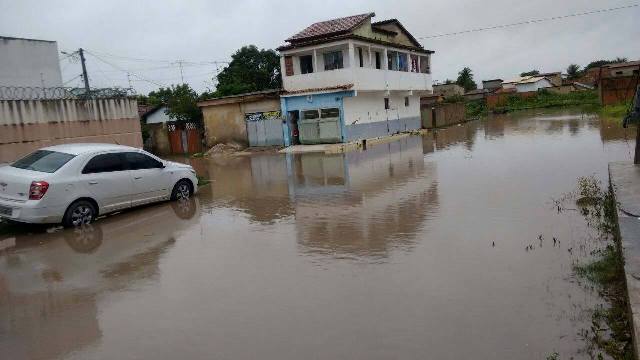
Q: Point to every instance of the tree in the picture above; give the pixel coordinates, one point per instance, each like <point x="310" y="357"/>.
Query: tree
<point x="465" y="79"/>
<point x="530" y="73"/>
<point x="180" y="100"/>
<point x="573" y="71"/>
<point x="599" y="63"/>
<point x="449" y="81"/>
<point x="250" y="70"/>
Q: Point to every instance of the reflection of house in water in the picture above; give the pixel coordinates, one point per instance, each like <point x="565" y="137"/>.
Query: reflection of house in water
<point x="255" y="185"/>
<point x="51" y="283"/>
<point x="364" y="203"/>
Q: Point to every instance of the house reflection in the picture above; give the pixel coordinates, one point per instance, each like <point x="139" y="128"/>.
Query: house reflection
<point x="363" y="204"/>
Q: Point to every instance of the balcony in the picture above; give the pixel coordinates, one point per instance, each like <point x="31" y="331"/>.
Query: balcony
<point x="363" y="79"/>
<point x="364" y="66"/>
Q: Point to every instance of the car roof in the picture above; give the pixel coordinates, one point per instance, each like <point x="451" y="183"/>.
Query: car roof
<point x="83" y="148"/>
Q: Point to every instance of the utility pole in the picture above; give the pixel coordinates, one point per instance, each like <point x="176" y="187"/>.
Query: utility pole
<point x="179" y="62"/>
<point x="84" y="72"/>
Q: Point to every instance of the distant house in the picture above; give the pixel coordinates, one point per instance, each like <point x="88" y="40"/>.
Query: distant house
<point x="252" y="119"/>
<point x="166" y="136"/>
<point x="477" y="94"/>
<point x="527" y="84"/>
<point x="554" y="77"/>
<point x="631" y="68"/>
<point x="492" y="85"/>
<point x="448" y="90"/>
<point x="351" y="78"/>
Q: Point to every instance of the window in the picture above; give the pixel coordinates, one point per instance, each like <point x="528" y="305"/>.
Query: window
<point x="392" y="60"/>
<point x="406" y="101"/>
<point x="386" y="103"/>
<point x="288" y="65"/>
<point x="138" y="161"/>
<point x="329" y="113"/>
<point x="104" y="163"/>
<point x="424" y="65"/>
<point x="403" y="63"/>
<point x="306" y="64"/>
<point x="618" y="72"/>
<point x="333" y="60"/>
<point x="414" y="64"/>
<point x="360" y="57"/>
<point x="43" y="161"/>
<point x="378" y="62"/>
<point x="310" y="114"/>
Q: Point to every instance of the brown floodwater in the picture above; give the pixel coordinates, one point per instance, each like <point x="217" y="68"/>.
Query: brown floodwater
<point x="415" y="249"/>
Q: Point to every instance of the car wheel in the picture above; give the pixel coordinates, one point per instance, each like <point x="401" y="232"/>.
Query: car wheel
<point x="181" y="191"/>
<point x="79" y="213"/>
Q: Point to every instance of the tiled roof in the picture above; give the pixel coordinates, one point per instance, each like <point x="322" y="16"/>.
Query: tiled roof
<point x="330" y="27"/>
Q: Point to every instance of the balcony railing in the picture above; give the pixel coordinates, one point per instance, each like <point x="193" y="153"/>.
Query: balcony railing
<point x="365" y="79"/>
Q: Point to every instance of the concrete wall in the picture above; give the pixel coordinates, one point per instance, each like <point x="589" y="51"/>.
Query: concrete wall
<point x="617" y="90"/>
<point x="25" y="62"/>
<point x="26" y="125"/>
<point x="365" y="116"/>
<point x="445" y="115"/>
<point x="497" y="100"/>
<point x="160" y="139"/>
<point x="225" y="123"/>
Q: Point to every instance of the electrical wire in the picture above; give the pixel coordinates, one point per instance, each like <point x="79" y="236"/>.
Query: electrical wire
<point x="534" y="21"/>
<point x="124" y="70"/>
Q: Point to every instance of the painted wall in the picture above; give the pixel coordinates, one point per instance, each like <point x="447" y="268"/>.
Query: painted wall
<point x="535" y="86"/>
<point x="365" y="116"/>
<point x="226" y="123"/>
<point x="26" y="125"/>
<point x="32" y="63"/>
<point x="160" y="139"/>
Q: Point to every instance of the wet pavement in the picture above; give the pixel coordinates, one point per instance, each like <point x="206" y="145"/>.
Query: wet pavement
<point x="428" y="247"/>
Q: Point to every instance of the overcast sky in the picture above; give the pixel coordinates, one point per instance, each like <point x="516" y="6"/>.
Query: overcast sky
<point x="198" y="31"/>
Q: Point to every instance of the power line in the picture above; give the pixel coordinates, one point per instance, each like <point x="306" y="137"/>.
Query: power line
<point x="124" y="70"/>
<point x="534" y="21"/>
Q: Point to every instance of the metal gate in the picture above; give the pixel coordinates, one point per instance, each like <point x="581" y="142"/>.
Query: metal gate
<point x="264" y="129"/>
<point x="320" y="127"/>
<point x="184" y="138"/>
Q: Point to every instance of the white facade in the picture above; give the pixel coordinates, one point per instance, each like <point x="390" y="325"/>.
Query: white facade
<point x="29" y="63"/>
<point x="368" y="77"/>
<point x="533" y="85"/>
<point x="158" y="117"/>
<point x="369" y="107"/>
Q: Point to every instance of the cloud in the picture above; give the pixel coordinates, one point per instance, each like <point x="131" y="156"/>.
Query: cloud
<point x="204" y="31"/>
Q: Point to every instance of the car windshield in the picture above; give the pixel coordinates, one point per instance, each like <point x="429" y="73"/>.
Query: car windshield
<point x="43" y="161"/>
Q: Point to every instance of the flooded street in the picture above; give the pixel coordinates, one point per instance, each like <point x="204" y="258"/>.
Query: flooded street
<point x="415" y="249"/>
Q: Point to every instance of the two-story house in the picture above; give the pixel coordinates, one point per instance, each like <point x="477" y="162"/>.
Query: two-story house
<point x="351" y="78"/>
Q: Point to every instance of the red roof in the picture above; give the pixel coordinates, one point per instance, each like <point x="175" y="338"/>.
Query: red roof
<point x="331" y="27"/>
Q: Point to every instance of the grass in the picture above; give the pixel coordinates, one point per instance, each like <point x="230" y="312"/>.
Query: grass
<point x="202" y="181"/>
<point x="546" y="99"/>
<point x="611" y="324"/>
<point x="475" y="109"/>
<point x="615" y="111"/>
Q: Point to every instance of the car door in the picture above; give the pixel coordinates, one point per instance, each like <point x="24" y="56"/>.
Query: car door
<point x="109" y="182"/>
<point x="150" y="180"/>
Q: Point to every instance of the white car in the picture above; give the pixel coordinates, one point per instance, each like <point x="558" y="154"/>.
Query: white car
<point x="72" y="184"/>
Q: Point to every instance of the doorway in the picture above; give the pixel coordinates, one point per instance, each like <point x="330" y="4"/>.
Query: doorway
<point x="294" y="132"/>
